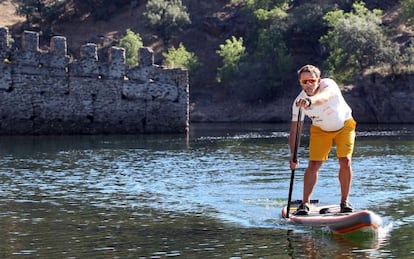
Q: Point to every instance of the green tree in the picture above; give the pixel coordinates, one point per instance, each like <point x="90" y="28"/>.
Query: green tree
<point x="231" y="54"/>
<point x="306" y="23"/>
<point x="180" y="57"/>
<point x="131" y="42"/>
<point x="265" y="4"/>
<point x="29" y="8"/>
<point x="269" y="62"/>
<point x="268" y="10"/>
<point x="356" y="41"/>
<point x="261" y="74"/>
<point x="39" y="10"/>
<point x="274" y="55"/>
<point x="166" y="16"/>
<point x="407" y="11"/>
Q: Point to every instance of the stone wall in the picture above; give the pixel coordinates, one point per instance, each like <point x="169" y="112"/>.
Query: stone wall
<point x="45" y="92"/>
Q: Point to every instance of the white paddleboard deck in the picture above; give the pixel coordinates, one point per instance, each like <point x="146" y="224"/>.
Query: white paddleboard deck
<point x="330" y="216"/>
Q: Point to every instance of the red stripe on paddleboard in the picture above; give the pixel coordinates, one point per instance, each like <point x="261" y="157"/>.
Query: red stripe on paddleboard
<point x="356" y="227"/>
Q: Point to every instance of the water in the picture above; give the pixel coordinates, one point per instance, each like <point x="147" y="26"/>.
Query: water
<point x="216" y="193"/>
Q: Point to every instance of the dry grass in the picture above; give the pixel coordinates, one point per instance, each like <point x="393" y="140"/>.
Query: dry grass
<point x="7" y="14"/>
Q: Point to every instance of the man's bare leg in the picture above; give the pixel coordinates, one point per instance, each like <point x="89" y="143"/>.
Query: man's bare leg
<point x="310" y="179"/>
<point x="345" y="177"/>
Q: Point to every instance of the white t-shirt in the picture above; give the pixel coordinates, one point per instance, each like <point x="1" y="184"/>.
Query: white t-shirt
<point x="329" y="116"/>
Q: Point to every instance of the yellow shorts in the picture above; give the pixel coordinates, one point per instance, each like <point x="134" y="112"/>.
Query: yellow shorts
<point x="320" y="142"/>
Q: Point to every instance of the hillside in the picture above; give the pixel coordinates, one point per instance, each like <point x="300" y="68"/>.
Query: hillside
<point x="203" y="37"/>
<point x="207" y="31"/>
<point x="213" y="22"/>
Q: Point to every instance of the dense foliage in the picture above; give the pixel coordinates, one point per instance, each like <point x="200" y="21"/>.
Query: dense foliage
<point x="356" y="41"/>
<point x="267" y="61"/>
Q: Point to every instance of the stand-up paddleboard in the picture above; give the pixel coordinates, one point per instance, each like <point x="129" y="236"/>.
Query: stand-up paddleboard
<point x="329" y="216"/>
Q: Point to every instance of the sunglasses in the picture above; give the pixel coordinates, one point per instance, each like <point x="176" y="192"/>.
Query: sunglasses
<point x="310" y="81"/>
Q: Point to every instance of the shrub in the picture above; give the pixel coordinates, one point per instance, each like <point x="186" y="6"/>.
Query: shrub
<point x="131" y="42"/>
<point x="180" y="57"/>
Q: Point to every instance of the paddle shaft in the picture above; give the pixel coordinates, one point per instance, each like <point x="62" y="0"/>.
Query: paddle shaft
<point x="294" y="159"/>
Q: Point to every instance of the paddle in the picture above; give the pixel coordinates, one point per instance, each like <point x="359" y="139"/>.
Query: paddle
<point x="295" y="159"/>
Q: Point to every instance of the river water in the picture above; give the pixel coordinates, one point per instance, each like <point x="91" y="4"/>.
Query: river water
<point x="216" y="193"/>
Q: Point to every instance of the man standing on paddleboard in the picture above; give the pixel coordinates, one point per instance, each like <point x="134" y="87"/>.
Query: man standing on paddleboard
<point x="322" y="101"/>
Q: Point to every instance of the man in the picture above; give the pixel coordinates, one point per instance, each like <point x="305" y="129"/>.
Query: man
<point x="321" y="100"/>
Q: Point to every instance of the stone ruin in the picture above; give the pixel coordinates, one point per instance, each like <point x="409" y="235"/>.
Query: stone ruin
<point x="46" y="92"/>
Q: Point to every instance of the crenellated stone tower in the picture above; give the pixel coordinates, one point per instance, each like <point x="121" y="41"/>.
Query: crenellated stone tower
<point x="45" y="92"/>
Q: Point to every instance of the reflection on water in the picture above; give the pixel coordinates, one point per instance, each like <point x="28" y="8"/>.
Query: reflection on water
<point x="51" y="230"/>
<point x="217" y="193"/>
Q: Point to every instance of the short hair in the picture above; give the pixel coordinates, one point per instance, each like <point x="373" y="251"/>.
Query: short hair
<point x="311" y="69"/>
